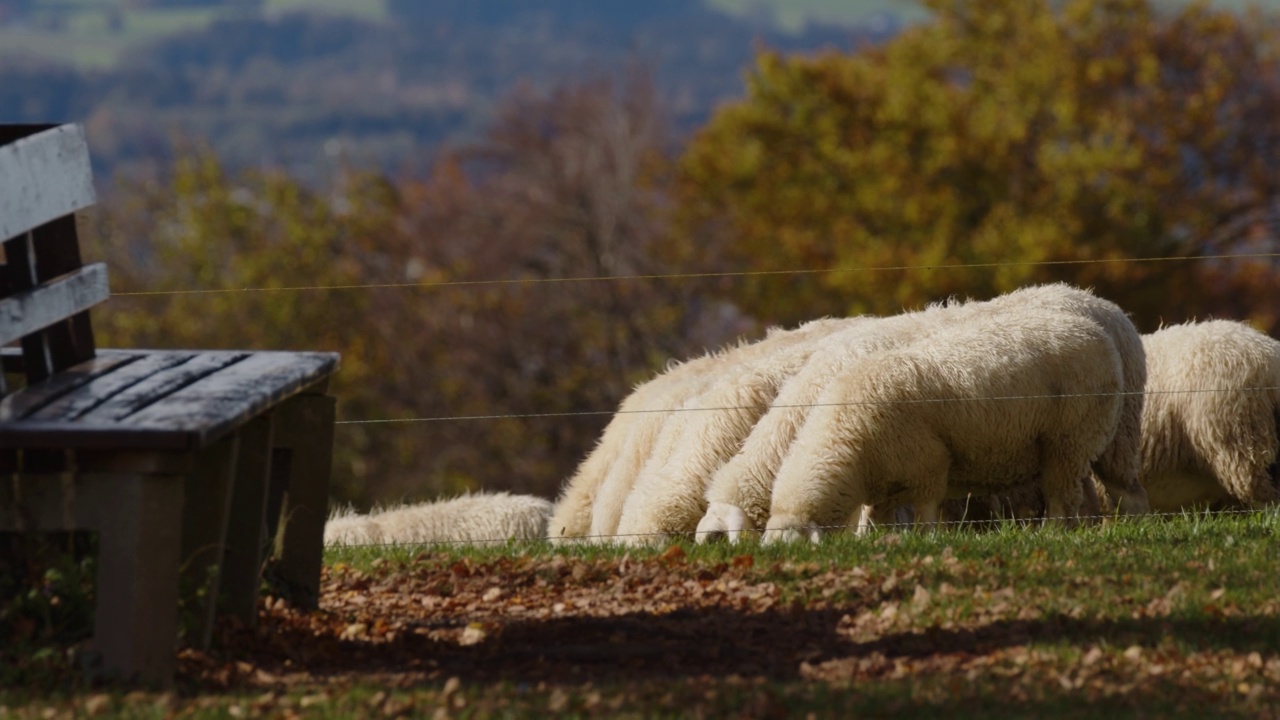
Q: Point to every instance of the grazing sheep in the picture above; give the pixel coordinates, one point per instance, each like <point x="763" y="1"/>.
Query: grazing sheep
<point x="1027" y="385"/>
<point x="643" y="415"/>
<point x="739" y="492"/>
<point x="1209" y="435"/>
<point x="638" y="416"/>
<point x="668" y="496"/>
<point x="479" y="519"/>
<point x="1209" y="421"/>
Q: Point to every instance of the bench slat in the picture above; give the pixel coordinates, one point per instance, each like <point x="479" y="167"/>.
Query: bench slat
<point x="99" y="390"/>
<point x="161" y="384"/>
<point x="63" y="435"/>
<point x="29" y="400"/>
<point x="32" y="310"/>
<point x="43" y="177"/>
<point x="224" y="400"/>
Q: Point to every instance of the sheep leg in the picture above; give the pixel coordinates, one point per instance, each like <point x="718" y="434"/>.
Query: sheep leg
<point x="865" y="520"/>
<point x="927" y="512"/>
<point x="1063" y="489"/>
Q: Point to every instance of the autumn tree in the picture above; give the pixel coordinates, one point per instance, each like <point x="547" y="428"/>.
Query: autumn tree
<point x="1021" y="139"/>
<point x="562" y="200"/>
<point x="478" y="292"/>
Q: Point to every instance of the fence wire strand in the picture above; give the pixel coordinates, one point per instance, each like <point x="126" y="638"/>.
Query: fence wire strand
<point x="611" y="540"/>
<point x="734" y="408"/>
<point x="695" y="276"/>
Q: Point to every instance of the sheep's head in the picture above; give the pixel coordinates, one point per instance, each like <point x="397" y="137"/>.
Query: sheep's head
<point x="723" y="521"/>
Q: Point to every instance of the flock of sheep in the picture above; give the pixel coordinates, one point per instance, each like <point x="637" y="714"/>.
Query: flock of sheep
<point x="1042" y="402"/>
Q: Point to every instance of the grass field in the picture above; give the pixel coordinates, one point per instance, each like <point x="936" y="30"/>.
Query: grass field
<point x="1150" y="618"/>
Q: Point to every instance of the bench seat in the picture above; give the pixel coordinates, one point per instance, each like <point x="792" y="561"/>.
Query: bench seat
<point x="169" y="400"/>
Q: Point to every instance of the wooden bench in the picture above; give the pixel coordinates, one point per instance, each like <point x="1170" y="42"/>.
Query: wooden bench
<point x="182" y="462"/>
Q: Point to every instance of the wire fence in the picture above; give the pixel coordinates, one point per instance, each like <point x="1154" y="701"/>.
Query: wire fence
<point x="700" y="275"/>
<point x="649" y="537"/>
<point x="860" y="403"/>
<point x="878" y="527"/>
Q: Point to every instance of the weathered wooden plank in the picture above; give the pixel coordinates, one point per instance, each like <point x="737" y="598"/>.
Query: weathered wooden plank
<point x="162" y="384"/>
<point x="72" y="435"/>
<point x="137" y="517"/>
<point x="73" y="405"/>
<point x="305" y="426"/>
<point x="58" y="252"/>
<point x="28" y="311"/>
<point x="136" y="618"/>
<point x="246" y="528"/>
<point x="219" y="403"/>
<point x="30" y="399"/>
<point x="20" y="254"/>
<point x="206" y="506"/>
<point x="43" y="177"/>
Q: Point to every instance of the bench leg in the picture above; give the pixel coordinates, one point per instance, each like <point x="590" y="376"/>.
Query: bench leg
<point x="204" y="534"/>
<point x="246" y="529"/>
<point x="304" y="427"/>
<point x="135" y="622"/>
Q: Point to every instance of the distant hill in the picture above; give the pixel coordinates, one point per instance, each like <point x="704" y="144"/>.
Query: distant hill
<point x="264" y="84"/>
<point x="306" y="83"/>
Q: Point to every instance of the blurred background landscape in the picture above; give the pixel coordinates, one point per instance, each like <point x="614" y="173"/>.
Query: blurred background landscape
<point x="416" y="185"/>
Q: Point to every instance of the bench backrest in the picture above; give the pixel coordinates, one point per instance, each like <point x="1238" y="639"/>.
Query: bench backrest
<point x="45" y="289"/>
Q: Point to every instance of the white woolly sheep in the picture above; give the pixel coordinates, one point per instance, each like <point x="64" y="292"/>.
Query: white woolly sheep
<point x="668" y="495"/>
<point x="642" y="432"/>
<point x="1209" y="435"/>
<point x="639" y="416"/>
<point x="477" y="519"/>
<point x="1209" y="421"/>
<point x="1027" y="385"/>
<point x="739" y="492"/>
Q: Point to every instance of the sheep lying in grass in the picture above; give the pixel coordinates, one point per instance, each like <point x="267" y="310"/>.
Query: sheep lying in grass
<point x="739" y="492"/>
<point x="1209" y="427"/>
<point x="478" y="519"/>
<point x="1029" y="385"/>
<point x="625" y="443"/>
<point x="668" y="494"/>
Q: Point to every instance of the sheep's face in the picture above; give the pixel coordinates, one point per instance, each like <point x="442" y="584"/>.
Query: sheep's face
<point x="723" y="521"/>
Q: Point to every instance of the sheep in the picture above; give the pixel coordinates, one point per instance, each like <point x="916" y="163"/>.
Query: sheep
<point x="1027" y="385"/>
<point x="667" y="497"/>
<point x="637" y="415"/>
<point x="739" y="492"/>
<point x="1209" y="435"/>
<point x="642" y="417"/>
<point x="739" y="495"/>
<point x="480" y="519"/>
<point x="1209" y="420"/>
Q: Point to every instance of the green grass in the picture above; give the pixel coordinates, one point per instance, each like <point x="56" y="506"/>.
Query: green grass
<point x="1154" y="617"/>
